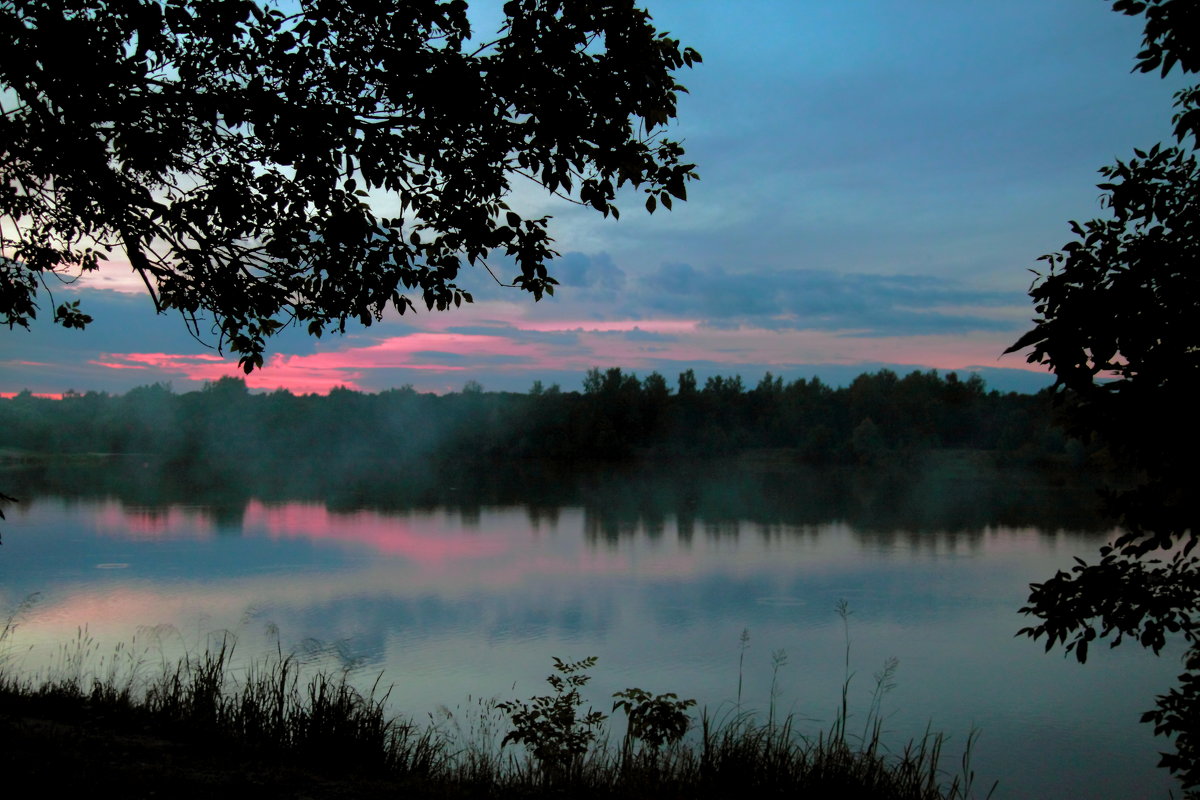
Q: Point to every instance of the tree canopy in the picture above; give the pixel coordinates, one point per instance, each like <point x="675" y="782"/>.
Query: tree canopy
<point x="261" y="165"/>
<point x="1117" y="324"/>
<point x="618" y="416"/>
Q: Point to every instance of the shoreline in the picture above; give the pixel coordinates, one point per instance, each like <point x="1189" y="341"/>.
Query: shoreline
<point x="195" y="731"/>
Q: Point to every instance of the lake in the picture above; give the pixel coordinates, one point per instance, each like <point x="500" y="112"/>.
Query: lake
<point x="457" y="584"/>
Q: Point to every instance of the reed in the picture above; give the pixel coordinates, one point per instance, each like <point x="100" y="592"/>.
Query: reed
<point x="271" y="711"/>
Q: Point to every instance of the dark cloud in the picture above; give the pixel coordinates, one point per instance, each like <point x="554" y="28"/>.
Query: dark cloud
<point x="589" y="271"/>
<point x="465" y="359"/>
<point x="127" y="323"/>
<point x="50" y="358"/>
<point x="637" y="335"/>
<point x="864" y="304"/>
<point x="517" y="334"/>
<point x="121" y="323"/>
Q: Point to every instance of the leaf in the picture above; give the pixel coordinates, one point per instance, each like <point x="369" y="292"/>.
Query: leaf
<point x="1028" y="339"/>
<point x="251" y="159"/>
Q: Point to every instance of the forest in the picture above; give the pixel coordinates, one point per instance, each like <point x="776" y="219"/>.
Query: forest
<point x="879" y="418"/>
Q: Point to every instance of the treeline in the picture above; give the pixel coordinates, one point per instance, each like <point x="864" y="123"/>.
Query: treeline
<point x="878" y="417"/>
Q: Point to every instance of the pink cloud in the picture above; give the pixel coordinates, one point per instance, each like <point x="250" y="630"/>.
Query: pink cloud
<point x="325" y="370"/>
<point x="168" y="360"/>
<point x="117" y="365"/>
<point x="396" y="352"/>
<point x="47" y="395"/>
<point x="209" y="367"/>
<point x="584" y="344"/>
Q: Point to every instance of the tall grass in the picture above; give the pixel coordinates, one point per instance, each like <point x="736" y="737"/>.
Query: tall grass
<point x="270" y="707"/>
<point x="273" y="710"/>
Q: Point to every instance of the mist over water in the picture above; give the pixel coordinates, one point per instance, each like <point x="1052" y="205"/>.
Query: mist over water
<point x="458" y="582"/>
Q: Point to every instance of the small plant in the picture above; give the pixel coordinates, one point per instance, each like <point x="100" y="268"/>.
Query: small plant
<point x="839" y="729"/>
<point x="550" y="726"/>
<point x="884" y="683"/>
<point x="654" y="720"/>
<point x="778" y="661"/>
<point x="9" y="628"/>
<point x="744" y="640"/>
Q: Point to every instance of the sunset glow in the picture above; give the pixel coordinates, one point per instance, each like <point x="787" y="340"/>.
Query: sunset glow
<point x="47" y="395"/>
<point x="858" y="207"/>
<point x="388" y="389"/>
<point x="572" y="347"/>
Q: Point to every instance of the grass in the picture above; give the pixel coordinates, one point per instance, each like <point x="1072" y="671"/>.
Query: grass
<point x="199" y="726"/>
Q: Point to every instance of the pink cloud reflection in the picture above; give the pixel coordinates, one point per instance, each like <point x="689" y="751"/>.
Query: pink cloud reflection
<point x="390" y="535"/>
<point x="426" y="541"/>
<point x="152" y="524"/>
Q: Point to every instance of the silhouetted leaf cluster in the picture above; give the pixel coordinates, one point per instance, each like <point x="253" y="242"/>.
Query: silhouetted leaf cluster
<point x="1116" y="323"/>
<point x="553" y="727"/>
<point x="262" y="165"/>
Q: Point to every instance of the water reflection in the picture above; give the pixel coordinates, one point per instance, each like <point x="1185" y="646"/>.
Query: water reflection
<point x="945" y="496"/>
<point x="466" y="583"/>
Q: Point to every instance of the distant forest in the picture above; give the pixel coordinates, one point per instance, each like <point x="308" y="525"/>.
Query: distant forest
<point x="879" y="417"/>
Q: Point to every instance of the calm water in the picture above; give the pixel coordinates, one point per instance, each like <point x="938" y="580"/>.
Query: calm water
<point x="457" y="584"/>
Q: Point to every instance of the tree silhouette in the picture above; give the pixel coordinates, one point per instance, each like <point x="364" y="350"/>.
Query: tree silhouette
<point x="1117" y="325"/>
<point x="258" y="167"/>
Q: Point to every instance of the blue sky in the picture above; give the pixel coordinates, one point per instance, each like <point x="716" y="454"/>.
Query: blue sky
<point x="877" y="178"/>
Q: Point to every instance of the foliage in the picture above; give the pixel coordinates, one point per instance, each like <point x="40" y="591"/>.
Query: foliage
<point x="1169" y="37"/>
<point x="620" y="416"/>
<point x="558" y="736"/>
<point x="1117" y="325"/>
<point x="550" y="726"/>
<point x="1178" y="714"/>
<point x="654" y="720"/>
<point x="5" y="499"/>
<point x="263" y="166"/>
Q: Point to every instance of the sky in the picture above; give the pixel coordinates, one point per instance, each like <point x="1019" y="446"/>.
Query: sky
<point x="877" y="180"/>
